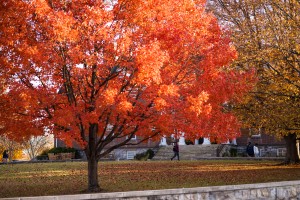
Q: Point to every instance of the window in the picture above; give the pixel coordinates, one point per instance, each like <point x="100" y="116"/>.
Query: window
<point x="281" y="152"/>
<point x="130" y="155"/>
<point x="109" y="127"/>
<point x="133" y="137"/>
<point x="255" y="135"/>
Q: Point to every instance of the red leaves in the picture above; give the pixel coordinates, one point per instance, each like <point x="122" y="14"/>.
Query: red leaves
<point x="132" y="65"/>
<point x="150" y="60"/>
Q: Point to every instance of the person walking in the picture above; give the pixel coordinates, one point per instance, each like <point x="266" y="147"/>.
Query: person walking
<point x="250" y="150"/>
<point x="255" y="150"/>
<point x="5" y="156"/>
<point x="176" y="151"/>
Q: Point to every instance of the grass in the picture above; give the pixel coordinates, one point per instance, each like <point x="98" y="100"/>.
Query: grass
<point x="38" y="179"/>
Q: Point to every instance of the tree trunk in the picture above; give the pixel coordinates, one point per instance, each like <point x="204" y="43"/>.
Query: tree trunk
<point x="93" y="185"/>
<point x="291" y="149"/>
<point x="91" y="152"/>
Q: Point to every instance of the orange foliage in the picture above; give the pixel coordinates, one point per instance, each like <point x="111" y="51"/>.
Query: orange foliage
<point x="126" y="63"/>
<point x="140" y="67"/>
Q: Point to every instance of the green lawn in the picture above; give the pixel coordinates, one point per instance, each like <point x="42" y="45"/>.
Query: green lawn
<point x="37" y="179"/>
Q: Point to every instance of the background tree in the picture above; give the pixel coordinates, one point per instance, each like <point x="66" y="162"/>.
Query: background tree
<point x="266" y="34"/>
<point x="36" y="145"/>
<point x="14" y="148"/>
<point x="102" y="72"/>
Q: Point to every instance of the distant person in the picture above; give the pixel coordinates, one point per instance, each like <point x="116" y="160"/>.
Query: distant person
<point x="176" y="151"/>
<point x="256" y="151"/>
<point x="250" y="150"/>
<point x="5" y="156"/>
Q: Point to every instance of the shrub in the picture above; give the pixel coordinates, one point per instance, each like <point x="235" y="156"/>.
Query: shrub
<point x="149" y="154"/>
<point x="44" y="153"/>
<point x="57" y="150"/>
<point x="189" y="142"/>
<point x="42" y="157"/>
<point x="141" y="156"/>
<point x="233" y="152"/>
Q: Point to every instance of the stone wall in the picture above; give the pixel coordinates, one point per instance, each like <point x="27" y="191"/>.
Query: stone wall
<point x="264" y="150"/>
<point x="265" y="191"/>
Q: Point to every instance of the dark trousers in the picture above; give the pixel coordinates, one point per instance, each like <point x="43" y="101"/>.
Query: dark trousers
<point x="175" y="154"/>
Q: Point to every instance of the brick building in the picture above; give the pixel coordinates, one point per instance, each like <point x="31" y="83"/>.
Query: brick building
<point x="268" y="145"/>
<point x="260" y="137"/>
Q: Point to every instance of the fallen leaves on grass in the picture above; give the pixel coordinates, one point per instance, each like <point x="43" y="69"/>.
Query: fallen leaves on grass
<point x="71" y="178"/>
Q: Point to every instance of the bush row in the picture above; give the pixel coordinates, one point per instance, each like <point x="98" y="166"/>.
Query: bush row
<point x="57" y="150"/>
<point x="149" y="154"/>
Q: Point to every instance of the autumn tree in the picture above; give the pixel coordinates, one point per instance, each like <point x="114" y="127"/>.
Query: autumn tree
<point x="101" y="72"/>
<point x="266" y="34"/>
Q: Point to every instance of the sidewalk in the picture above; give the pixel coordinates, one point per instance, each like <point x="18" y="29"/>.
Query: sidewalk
<point x="206" y="158"/>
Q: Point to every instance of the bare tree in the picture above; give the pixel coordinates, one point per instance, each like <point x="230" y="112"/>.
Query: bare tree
<point x="36" y="145"/>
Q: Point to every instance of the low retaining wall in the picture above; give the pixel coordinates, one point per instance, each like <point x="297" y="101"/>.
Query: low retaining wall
<point x="274" y="190"/>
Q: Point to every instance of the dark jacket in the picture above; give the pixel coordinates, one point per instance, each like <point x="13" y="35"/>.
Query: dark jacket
<point x="176" y="148"/>
<point x="5" y="154"/>
<point x="250" y="150"/>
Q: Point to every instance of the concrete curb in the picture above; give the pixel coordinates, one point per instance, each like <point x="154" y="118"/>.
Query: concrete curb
<point x="275" y="188"/>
